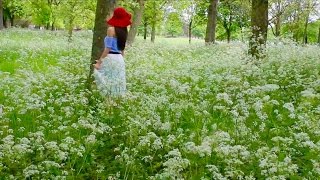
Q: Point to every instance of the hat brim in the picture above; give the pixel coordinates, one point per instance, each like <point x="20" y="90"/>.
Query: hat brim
<point x="119" y="22"/>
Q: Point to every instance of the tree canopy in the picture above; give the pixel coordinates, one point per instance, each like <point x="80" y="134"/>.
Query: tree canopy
<point x="296" y="20"/>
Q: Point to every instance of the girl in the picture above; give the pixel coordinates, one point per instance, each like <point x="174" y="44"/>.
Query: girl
<point x="109" y="70"/>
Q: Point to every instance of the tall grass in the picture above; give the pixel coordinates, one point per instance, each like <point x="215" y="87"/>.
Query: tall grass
<point x="191" y="111"/>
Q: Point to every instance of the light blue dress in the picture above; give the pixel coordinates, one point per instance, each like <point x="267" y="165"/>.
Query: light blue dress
<point x="111" y="77"/>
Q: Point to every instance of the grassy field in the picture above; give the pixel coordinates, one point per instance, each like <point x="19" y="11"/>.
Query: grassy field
<point x="191" y="111"/>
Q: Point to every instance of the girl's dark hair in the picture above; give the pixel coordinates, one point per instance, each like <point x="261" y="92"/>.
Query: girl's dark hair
<point x="121" y="34"/>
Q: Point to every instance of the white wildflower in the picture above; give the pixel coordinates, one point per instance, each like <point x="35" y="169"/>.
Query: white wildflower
<point x="308" y="93"/>
<point x="215" y="172"/>
<point x="171" y="139"/>
<point x="10" y="131"/>
<point x="174" y="165"/>
<point x="1" y="110"/>
<point x="9" y="140"/>
<point x="266" y="98"/>
<point x="166" y="126"/>
<point x="100" y="169"/>
<point x="69" y="140"/>
<point x="21" y="129"/>
<point x="52" y="146"/>
<point x="270" y="87"/>
<point x="61" y="155"/>
<point x="225" y="97"/>
<point x="289" y="106"/>
<point x="157" y="144"/>
<point x="30" y="171"/>
<point x="316" y="167"/>
<point x="147" y="159"/>
<point x="91" y="139"/>
<point x="50" y="164"/>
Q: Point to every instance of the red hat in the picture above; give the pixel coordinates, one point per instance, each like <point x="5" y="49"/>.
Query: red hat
<point x="120" y="18"/>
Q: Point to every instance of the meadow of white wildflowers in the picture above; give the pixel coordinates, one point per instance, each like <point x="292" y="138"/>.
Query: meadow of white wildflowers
<point x="191" y="111"/>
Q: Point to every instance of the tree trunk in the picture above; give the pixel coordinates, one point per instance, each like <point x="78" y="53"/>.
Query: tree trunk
<point x="145" y="30"/>
<point x="153" y="31"/>
<point x="241" y="31"/>
<point x="154" y="20"/>
<point x="138" y="12"/>
<point x="52" y="26"/>
<point x="12" y="21"/>
<point x="212" y="22"/>
<point x="6" y="23"/>
<point x="278" y="26"/>
<point x="103" y="9"/>
<point x="278" y="19"/>
<point x="1" y="15"/>
<point x="305" y="32"/>
<point x="229" y="28"/>
<point x="319" y="36"/>
<point x="70" y="29"/>
<point x="229" y="35"/>
<point x="227" y="23"/>
<point x="296" y="23"/>
<point x="259" y="25"/>
<point x="190" y="31"/>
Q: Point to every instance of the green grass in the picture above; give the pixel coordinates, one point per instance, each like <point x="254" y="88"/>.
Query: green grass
<point x="191" y="111"/>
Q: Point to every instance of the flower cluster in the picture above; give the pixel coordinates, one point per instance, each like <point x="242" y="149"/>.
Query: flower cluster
<point x="191" y="112"/>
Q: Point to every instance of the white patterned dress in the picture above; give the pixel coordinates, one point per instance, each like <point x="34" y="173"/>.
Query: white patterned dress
<point x="111" y="77"/>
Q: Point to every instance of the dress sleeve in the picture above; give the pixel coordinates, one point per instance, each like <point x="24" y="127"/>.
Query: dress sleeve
<point x="108" y="42"/>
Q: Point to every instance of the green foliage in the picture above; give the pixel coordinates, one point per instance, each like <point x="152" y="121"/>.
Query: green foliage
<point x="55" y="13"/>
<point x="232" y="16"/>
<point x="13" y="8"/>
<point x="312" y="33"/>
<point x="128" y="4"/>
<point x="293" y="17"/>
<point x="41" y="12"/>
<point x="75" y="12"/>
<point x="154" y="13"/>
<point x="191" y="111"/>
<point x="199" y="31"/>
<point x="201" y="12"/>
<point x="174" y="25"/>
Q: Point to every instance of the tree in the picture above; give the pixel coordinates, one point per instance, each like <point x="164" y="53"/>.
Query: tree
<point x="54" y="7"/>
<point x="174" y="24"/>
<point x="278" y="9"/>
<point x="310" y="6"/>
<point x="73" y="11"/>
<point x="232" y="16"/>
<point x="153" y="15"/>
<point x="296" y="21"/>
<point x="11" y="10"/>
<point x="68" y="14"/>
<point x="189" y="14"/>
<point x="137" y="18"/>
<point x="212" y="22"/>
<point x="145" y="27"/>
<point x="259" y="25"/>
<point x="41" y="12"/>
<point x="299" y="15"/>
<point x="244" y="20"/>
<point x="1" y="15"/>
<point x="154" y="20"/>
<point x="103" y="9"/>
